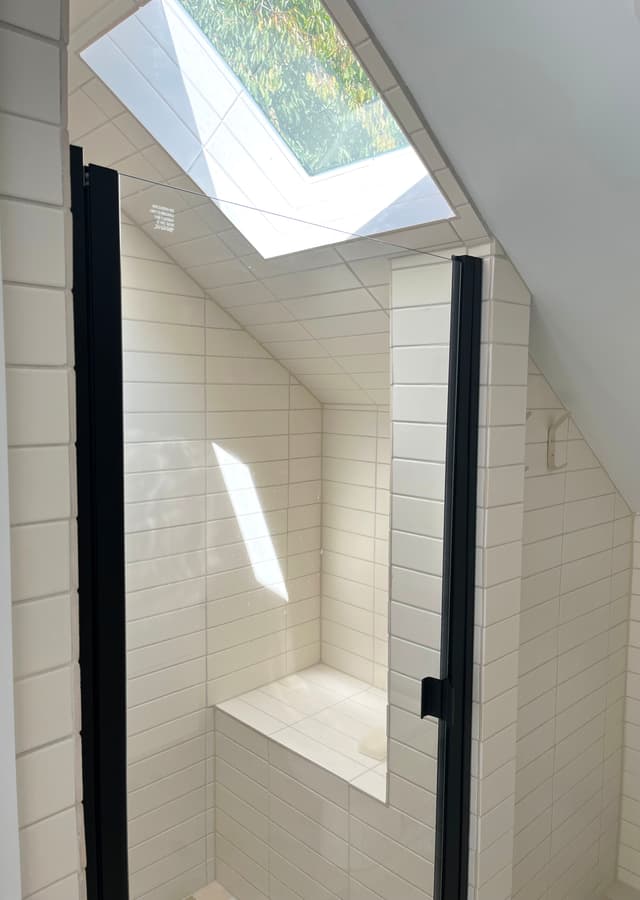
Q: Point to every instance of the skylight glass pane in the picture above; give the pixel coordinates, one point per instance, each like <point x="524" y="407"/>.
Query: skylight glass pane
<point x="301" y="72"/>
<point x="178" y="85"/>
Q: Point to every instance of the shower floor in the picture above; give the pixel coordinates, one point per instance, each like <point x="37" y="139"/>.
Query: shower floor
<point x="323" y="715"/>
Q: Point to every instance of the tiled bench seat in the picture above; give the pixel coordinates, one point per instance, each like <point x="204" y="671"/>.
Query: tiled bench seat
<point x="322" y="715"/>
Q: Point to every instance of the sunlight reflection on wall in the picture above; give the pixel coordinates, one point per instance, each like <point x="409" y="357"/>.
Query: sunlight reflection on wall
<point x="251" y="521"/>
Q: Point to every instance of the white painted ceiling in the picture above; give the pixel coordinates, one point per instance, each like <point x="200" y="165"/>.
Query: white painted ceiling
<point x="323" y="312"/>
<point x="537" y="105"/>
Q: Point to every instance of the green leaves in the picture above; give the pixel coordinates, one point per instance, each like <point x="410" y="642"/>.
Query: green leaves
<point x="302" y="73"/>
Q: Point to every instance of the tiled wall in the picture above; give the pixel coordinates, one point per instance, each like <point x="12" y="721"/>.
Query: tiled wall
<point x="573" y="638"/>
<point x="387" y="846"/>
<point x="629" y="849"/>
<point x="313" y="836"/>
<point x="288" y="828"/>
<point x="355" y="540"/>
<point x="505" y="339"/>
<point x="169" y="725"/>
<point x="222" y="465"/>
<point x="263" y="535"/>
<point x="9" y="828"/>
<point x="39" y="341"/>
<point x="420" y="323"/>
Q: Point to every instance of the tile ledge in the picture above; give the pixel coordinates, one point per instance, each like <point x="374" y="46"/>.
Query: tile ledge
<point x="309" y="734"/>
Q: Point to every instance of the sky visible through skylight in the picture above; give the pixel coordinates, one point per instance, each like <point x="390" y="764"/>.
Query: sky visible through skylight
<point x="276" y="121"/>
<point x="302" y="73"/>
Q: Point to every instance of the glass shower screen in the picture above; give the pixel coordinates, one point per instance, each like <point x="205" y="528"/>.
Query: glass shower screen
<point x="290" y="525"/>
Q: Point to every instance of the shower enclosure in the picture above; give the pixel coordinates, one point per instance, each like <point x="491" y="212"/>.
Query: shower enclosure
<point x="277" y="600"/>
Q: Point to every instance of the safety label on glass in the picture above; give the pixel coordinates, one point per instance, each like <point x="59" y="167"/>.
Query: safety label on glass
<point x="164" y="218"/>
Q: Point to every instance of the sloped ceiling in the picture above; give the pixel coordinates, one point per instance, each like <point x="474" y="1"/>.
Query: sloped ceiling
<point x="537" y="105"/>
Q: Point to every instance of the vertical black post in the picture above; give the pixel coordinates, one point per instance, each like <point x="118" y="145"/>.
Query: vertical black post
<point x="100" y="473"/>
<point x="454" y="691"/>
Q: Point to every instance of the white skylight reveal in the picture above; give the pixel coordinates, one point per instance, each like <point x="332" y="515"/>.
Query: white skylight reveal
<point x="327" y="153"/>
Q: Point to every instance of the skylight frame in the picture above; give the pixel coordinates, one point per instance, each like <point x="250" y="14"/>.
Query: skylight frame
<point x="155" y="61"/>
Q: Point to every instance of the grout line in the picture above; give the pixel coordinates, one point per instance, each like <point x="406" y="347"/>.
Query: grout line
<point x="165" y="831"/>
<point x="154" y="809"/>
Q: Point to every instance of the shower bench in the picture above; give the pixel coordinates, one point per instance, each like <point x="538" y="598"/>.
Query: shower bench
<point x="326" y="717"/>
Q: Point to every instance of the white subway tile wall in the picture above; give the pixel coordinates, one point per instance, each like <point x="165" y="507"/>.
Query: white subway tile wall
<point x="572" y="659"/>
<point x="501" y="450"/>
<point x="222" y="491"/>
<point x="336" y="368"/>
<point x="420" y="311"/>
<point x="263" y="540"/>
<point x="356" y="457"/>
<point x="287" y="827"/>
<point x="34" y="218"/>
<point x="395" y="837"/>
<point x="170" y="728"/>
<point x="282" y="864"/>
<point x="312" y="820"/>
<point x="629" y="848"/>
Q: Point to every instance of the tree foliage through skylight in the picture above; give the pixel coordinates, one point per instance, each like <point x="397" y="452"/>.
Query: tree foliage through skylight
<point x="302" y="73"/>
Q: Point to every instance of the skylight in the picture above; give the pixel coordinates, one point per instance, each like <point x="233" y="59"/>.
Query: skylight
<point x="303" y="75"/>
<point x="264" y="106"/>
